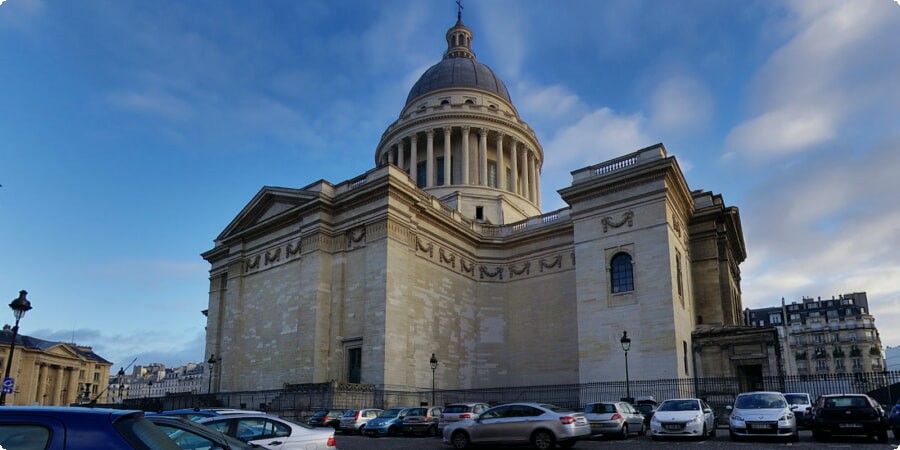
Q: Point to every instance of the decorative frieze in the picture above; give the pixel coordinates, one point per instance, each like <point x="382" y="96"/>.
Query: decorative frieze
<point x="449" y="260"/>
<point x="627" y="218"/>
<point x="425" y="248"/>
<point x="525" y="270"/>
<point x="498" y="271"/>
<point x="552" y="263"/>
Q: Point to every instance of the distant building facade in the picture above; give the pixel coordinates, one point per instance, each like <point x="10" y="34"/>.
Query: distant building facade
<point x="49" y="373"/>
<point x="155" y="380"/>
<point x="831" y="336"/>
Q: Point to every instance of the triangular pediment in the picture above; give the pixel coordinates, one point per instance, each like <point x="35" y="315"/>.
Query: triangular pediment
<point x="268" y="203"/>
<point x="61" y="349"/>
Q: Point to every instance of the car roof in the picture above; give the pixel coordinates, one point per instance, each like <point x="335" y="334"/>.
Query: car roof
<point x="68" y="411"/>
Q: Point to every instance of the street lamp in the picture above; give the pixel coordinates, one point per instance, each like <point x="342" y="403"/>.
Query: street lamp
<point x="434" y="363"/>
<point x="20" y="306"/>
<point x="212" y="364"/>
<point x="121" y="375"/>
<point x="626" y="345"/>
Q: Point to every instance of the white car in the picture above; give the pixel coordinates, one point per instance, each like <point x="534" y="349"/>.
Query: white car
<point x="762" y="414"/>
<point x="683" y="417"/>
<point x="272" y="432"/>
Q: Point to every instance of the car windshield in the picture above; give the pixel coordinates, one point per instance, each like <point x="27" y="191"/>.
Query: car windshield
<point x="760" y="401"/>
<point x="679" y="405"/>
<point x="390" y="413"/>
<point x="417" y="412"/>
<point x="320" y="414"/>
<point x="456" y="409"/>
<point x="299" y="424"/>
<point x="350" y="413"/>
<point x="644" y="409"/>
<point x="797" y="399"/>
<point x="600" y="408"/>
<point x="846" y="402"/>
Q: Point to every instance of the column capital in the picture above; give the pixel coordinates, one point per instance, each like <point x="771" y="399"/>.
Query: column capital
<point x="414" y="138"/>
<point x="483" y="132"/>
<point x="466" y="129"/>
<point x="500" y="135"/>
<point x="448" y="129"/>
<point x="429" y="132"/>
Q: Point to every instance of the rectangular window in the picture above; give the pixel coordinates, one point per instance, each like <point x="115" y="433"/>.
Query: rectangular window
<point x="685" y="357"/>
<point x="678" y="269"/>
<point x="492" y="173"/>
<point x="509" y="180"/>
<point x="421" y="175"/>
<point x="775" y="319"/>
<point x="354" y="365"/>
<point x="440" y="172"/>
<point x="479" y="213"/>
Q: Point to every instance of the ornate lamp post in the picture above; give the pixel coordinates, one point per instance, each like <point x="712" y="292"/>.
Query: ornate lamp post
<point x="434" y="364"/>
<point x="20" y="306"/>
<point x="121" y="375"/>
<point x="212" y="364"/>
<point x="626" y="345"/>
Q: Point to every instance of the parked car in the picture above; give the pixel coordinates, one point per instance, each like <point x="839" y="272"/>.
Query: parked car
<point x="615" y="418"/>
<point x="326" y="418"/>
<point x="388" y="423"/>
<point x="196" y="414"/>
<point x="762" y="414"/>
<point x="355" y="420"/>
<point x="683" y="417"/>
<point x="455" y="412"/>
<point x="647" y="406"/>
<point x="68" y="428"/>
<point x="272" y="432"/>
<point x="543" y="425"/>
<point x="849" y="414"/>
<point x="190" y="435"/>
<point x="895" y="419"/>
<point x="422" y="421"/>
<point x="802" y="406"/>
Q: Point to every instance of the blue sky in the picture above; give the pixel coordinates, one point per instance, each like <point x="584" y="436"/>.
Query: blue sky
<point x="132" y="132"/>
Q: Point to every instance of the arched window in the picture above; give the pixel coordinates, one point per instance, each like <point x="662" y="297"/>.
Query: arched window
<point x="622" y="273"/>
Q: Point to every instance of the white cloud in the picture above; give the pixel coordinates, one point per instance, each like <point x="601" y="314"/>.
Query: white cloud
<point x="680" y="104"/>
<point x="827" y="77"/>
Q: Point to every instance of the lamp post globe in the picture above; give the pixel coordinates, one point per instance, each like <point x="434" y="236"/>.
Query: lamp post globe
<point x="212" y="364"/>
<point x="626" y="345"/>
<point x="19" y="306"/>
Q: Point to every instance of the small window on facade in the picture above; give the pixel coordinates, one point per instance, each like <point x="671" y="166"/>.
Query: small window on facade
<point x="445" y="102"/>
<point x="622" y="273"/>
<point x="492" y="173"/>
<point x="679" y="275"/>
<point x="469" y="101"/>
<point x="440" y="171"/>
<point x="494" y="107"/>
<point x="354" y="365"/>
<point x="421" y="175"/>
<point x="685" y="356"/>
<point x="479" y="213"/>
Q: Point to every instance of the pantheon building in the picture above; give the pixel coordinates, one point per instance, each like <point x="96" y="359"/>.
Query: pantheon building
<point x="442" y="248"/>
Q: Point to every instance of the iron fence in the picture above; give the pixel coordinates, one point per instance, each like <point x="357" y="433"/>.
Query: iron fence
<point x="301" y="400"/>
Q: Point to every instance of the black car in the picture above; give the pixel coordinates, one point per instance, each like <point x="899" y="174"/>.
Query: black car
<point x="190" y="435"/>
<point x="647" y="406"/>
<point x="70" y="428"/>
<point x="849" y="414"/>
<point x="326" y="418"/>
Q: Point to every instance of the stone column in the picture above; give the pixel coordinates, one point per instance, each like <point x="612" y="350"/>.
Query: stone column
<point x="501" y="170"/>
<point x="56" y="392"/>
<point x="537" y="183"/>
<point x="525" y="188"/>
<point x="41" y="384"/>
<point x="447" y="180"/>
<point x="414" y="158"/>
<point x="72" y="393"/>
<point x="514" y="158"/>
<point x="531" y="181"/>
<point x="465" y="155"/>
<point x="482" y="148"/>
<point x="429" y="158"/>
<point x="400" y="151"/>
<point x="390" y="155"/>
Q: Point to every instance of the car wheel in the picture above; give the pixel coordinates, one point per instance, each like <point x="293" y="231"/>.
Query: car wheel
<point x="432" y="431"/>
<point x="733" y="436"/>
<point x="705" y="434"/>
<point x="795" y="436"/>
<point x="712" y="433"/>
<point x="896" y="433"/>
<point x="624" y="433"/>
<point x="882" y="436"/>
<point x="643" y="430"/>
<point x="543" y="440"/>
<point x="392" y="431"/>
<point x="460" y="440"/>
<point x="820" y="436"/>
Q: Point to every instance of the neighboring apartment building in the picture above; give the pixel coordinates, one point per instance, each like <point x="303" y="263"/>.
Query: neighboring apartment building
<point x="52" y="373"/>
<point x="824" y="336"/>
<point x="155" y="380"/>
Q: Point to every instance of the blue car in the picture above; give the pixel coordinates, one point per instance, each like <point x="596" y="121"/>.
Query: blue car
<point x="895" y="419"/>
<point x="72" y="428"/>
<point x="388" y="423"/>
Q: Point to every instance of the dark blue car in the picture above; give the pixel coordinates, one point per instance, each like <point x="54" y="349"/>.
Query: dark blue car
<point x="895" y="419"/>
<point x="72" y="428"/>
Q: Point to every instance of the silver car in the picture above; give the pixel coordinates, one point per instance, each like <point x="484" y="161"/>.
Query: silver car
<point x="762" y="414"/>
<point x="540" y="424"/>
<point x="355" y="420"/>
<point x="272" y="432"/>
<point x="615" y="418"/>
<point x="460" y="411"/>
<point x="683" y="417"/>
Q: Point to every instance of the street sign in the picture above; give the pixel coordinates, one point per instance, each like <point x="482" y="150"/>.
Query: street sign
<point x="8" y="385"/>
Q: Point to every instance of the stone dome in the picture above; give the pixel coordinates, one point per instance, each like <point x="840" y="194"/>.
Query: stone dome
<point x="458" y="72"/>
<point x="459" y="68"/>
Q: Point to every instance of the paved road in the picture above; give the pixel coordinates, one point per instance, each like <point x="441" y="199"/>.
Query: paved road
<point x="721" y="441"/>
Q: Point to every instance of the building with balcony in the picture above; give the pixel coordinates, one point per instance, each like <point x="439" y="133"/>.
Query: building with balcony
<point x="49" y="373"/>
<point x="156" y="380"/>
<point x="830" y="336"/>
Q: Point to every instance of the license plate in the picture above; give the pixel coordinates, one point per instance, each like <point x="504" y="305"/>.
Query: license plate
<point x="673" y="427"/>
<point x="596" y="425"/>
<point x="850" y="425"/>
<point x="760" y="426"/>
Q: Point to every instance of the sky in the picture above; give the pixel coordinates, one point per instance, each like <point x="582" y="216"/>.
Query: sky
<point x="133" y="132"/>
